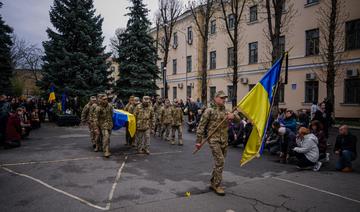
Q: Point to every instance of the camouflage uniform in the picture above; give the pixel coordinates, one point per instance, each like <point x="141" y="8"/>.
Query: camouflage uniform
<point x="103" y="119"/>
<point x="129" y="108"/>
<point x="177" y="121"/>
<point x="157" y="111"/>
<point x="166" y="120"/>
<point x="219" y="141"/>
<point x="86" y="118"/>
<point x="94" y="128"/>
<point x="145" y="120"/>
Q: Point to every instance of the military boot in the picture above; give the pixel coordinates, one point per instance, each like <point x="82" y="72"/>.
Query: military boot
<point x="146" y="151"/>
<point x="107" y="152"/>
<point x="180" y="143"/>
<point x="218" y="190"/>
<point x="97" y="148"/>
<point x="172" y="142"/>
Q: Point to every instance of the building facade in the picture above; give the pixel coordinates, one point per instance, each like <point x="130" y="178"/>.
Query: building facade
<point x="302" y="37"/>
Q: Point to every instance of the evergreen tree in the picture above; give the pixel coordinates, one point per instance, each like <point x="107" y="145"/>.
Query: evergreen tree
<point x="74" y="59"/>
<point x="5" y="57"/>
<point x="137" y="55"/>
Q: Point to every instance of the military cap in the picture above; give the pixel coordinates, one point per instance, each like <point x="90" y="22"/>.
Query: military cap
<point x="136" y="99"/>
<point x="221" y="94"/>
<point x="146" y="99"/>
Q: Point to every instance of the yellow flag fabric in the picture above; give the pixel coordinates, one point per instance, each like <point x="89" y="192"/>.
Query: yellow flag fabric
<point x="256" y="107"/>
<point x="120" y="117"/>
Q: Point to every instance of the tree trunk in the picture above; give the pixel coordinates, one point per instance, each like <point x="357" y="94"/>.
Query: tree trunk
<point x="331" y="71"/>
<point x="235" y="68"/>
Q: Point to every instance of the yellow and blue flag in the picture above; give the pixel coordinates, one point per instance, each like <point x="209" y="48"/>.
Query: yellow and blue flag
<point x="256" y="106"/>
<point x="52" y="97"/>
<point x="121" y="117"/>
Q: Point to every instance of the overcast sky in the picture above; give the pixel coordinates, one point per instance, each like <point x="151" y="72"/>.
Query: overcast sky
<point x="30" y="18"/>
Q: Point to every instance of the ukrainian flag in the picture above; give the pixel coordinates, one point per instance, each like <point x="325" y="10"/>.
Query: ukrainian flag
<point x="52" y="94"/>
<point x="256" y="106"/>
<point x="120" y="117"/>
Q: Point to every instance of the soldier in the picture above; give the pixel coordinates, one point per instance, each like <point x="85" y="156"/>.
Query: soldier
<point x="166" y="120"/>
<point x="94" y="126"/>
<point x="177" y="121"/>
<point x="219" y="141"/>
<point x="103" y="119"/>
<point x="157" y="111"/>
<point x="129" y="108"/>
<point x="85" y="119"/>
<point x="145" y="120"/>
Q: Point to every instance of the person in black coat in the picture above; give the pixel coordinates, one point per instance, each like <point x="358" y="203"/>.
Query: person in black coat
<point x="345" y="148"/>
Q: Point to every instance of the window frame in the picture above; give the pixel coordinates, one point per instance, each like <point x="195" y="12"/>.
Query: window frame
<point x="188" y="67"/>
<point x="314" y="94"/>
<point x="351" y="88"/>
<point x="355" y="36"/>
<point x="174" y="66"/>
<point x="230" y="57"/>
<point x="251" y="11"/>
<point x="213" y="27"/>
<point x="309" y="41"/>
<point x="255" y="59"/>
<point x="212" y="60"/>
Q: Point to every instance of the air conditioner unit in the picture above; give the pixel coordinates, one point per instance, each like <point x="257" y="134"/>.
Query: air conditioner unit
<point x="180" y="85"/>
<point x="310" y="76"/>
<point x="352" y="73"/>
<point x="244" y="80"/>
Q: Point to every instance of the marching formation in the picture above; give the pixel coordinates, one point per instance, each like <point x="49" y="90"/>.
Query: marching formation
<point x="161" y="117"/>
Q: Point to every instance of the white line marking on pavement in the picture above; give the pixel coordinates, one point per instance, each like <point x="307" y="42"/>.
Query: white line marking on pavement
<point x="49" y="161"/>
<point x="118" y="175"/>
<point x="317" y="189"/>
<point x="56" y="189"/>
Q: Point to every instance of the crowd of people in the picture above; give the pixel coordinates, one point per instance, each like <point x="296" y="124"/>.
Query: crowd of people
<point x="18" y="117"/>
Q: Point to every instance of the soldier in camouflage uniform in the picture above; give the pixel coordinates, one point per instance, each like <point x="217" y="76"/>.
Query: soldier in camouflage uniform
<point x="166" y="120"/>
<point x="157" y="111"/>
<point x="85" y="119"/>
<point x="129" y="108"/>
<point x="219" y="141"/>
<point x="103" y="119"/>
<point x="145" y="121"/>
<point x="177" y="121"/>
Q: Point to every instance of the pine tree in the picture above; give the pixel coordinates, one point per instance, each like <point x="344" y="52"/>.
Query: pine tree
<point x="137" y="55"/>
<point x="5" y="57"/>
<point x="74" y="59"/>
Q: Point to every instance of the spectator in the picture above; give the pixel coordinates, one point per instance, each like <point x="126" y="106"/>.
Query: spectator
<point x="236" y="133"/>
<point x="5" y="109"/>
<point x="290" y="120"/>
<point x="247" y="131"/>
<point x="307" y="151"/>
<point x="273" y="141"/>
<point x="13" y="129"/>
<point x="182" y="105"/>
<point x="345" y="148"/>
<point x="25" y="122"/>
<point x="287" y="142"/>
<point x="313" y="109"/>
<point x="320" y="115"/>
<point x="316" y="129"/>
<point x="199" y="103"/>
<point x="303" y="119"/>
<point x="35" y="119"/>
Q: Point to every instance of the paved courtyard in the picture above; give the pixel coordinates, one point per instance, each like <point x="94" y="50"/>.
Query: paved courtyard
<point x="55" y="170"/>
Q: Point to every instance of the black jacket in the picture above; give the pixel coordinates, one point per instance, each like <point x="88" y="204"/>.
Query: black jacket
<point x="346" y="142"/>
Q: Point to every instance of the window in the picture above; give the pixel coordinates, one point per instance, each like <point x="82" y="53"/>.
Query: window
<point x="174" y="92"/>
<point x="230" y="91"/>
<point x="212" y="92"/>
<point x="189" y="35"/>
<point x="352" y="35"/>
<point x="230" y="56"/>
<point x="188" y="91"/>
<point x="253" y="13"/>
<point x="162" y="92"/>
<point x="188" y="64"/>
<point x="282" y="44"/>
<point x="281" y="92"/>
<point x="352" y="91"/>
<point x="213" y="27"/>
<point x="174" y="66"/>
<point x="213" y="60"/>
<point x="312" y="42"/>
<point x="175" y="44"/>
<point x="251" y="86"/>
<point x="253" y="52"/>
<point x="312" y="1"/>
<point x="231" y="21"/>
<point x="162" y="69"/>
<point x="311" y="91"/>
